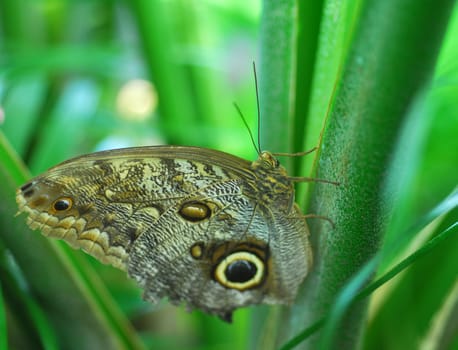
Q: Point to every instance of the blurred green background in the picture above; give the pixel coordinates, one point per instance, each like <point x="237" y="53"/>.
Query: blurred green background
<point x="86" y="75"/>
<point x="114" y="78"/>
<point x="82" y="76"/>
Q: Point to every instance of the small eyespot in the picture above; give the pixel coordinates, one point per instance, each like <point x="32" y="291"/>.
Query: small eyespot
<point x="240" y="270"/>
<point x="62" y="204"/>
<point x="194" y="211"/>
<point x="197" y="250"/>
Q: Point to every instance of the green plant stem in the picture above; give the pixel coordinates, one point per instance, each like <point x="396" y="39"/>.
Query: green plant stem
<point x="276" y="79"/>
<point x="389" y="61"/>
<point x="309" y="21"/>
<point x="3" y="329"/>
<point x="156" y="33"/>
<point x="394" y="271"/>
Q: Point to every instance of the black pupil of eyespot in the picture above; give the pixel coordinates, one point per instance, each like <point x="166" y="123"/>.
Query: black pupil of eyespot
<point x="62" y="204"/>
<point x="240" y="271"/>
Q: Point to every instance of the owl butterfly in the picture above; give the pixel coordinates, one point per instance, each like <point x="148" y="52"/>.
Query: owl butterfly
<point x="198" y="226"/>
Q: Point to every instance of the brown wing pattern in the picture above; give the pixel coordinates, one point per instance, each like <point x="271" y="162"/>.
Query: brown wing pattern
<point x="195" y="225"/>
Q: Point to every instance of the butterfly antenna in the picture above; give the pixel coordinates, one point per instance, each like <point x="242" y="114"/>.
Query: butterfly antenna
<point x="297" y="154"/>
<point x="257" y="105"/>
<point x="258" y="150"/>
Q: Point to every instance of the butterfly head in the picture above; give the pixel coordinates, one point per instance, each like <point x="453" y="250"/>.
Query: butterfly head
<point x="266" y="160"/>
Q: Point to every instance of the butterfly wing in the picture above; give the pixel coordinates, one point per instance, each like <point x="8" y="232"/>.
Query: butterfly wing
<point x="184" y="222"/>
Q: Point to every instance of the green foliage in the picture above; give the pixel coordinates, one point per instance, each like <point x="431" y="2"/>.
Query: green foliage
<point x="357" y="78"/>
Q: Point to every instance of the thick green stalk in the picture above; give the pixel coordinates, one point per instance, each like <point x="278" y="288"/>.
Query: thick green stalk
<point x="391" y="57"/>
<point x="309" y="23"/>
<point x="276" y="81"/>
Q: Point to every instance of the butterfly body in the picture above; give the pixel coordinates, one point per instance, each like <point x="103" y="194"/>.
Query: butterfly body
<point x="195" y="225"/>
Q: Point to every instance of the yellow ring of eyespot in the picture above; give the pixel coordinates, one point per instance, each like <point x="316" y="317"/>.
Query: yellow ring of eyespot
<point x="220" y="275"/>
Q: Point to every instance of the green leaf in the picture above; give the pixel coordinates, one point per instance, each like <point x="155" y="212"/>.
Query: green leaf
<point x="3" y="326"/>
<point x="388" y="61"/>
<point x="350" y="293"/>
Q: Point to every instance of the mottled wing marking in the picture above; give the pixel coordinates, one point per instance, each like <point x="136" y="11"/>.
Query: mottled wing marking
<point x="171" y="216"/>
<point x="116" y="201"/>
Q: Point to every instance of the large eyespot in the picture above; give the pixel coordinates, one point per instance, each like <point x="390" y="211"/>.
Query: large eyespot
<point x="240" y="270"/>
<point x="194" y="211"/>
<point x="62" y="204"/>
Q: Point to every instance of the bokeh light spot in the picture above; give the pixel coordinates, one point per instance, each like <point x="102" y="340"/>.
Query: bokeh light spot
<point x="136" y="100"/>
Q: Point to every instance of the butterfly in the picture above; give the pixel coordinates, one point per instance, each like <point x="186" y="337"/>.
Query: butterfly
<point x="198" y="226"/>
